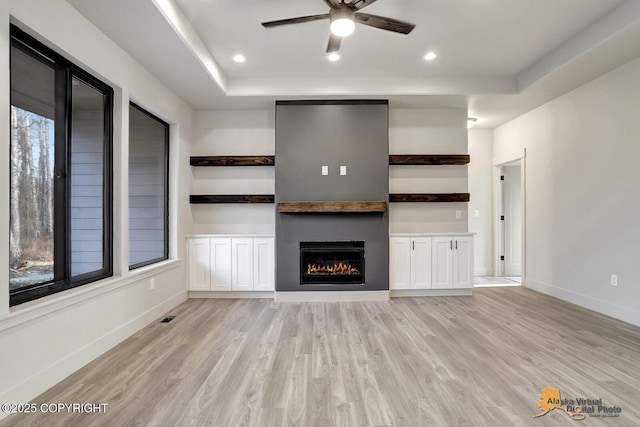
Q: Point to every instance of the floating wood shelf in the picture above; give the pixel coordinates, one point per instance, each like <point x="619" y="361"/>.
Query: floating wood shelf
<point x="429" y="159"/>
<point x="231" y="198"/>
<point x="428" y="197"/>
<point x="232" y="160"/>
<point x="332" y="207"/>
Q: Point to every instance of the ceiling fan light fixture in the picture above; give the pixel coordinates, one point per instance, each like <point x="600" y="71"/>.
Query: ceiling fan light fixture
<point x="343" y="22"/>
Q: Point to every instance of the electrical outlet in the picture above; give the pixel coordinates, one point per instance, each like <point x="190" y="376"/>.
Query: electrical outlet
<point x="325" y="170"/>
<point x="343" y="170"/>
<point x="614" y="280"/>
<point x="152" y="284"/>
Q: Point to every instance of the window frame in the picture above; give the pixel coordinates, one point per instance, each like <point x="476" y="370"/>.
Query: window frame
<point x="65" y="72"/>
<point x="166" y="204"/>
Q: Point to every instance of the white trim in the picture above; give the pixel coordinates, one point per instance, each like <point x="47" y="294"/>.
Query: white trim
<point x="36" y="309"/>
<point x="498" y="285"/>
<point x="431" y="292"/>
<point x="497" y="196"/>
<point x="47" y="377"/>
<point x="510" y="157"/>
<point x="332" y="296"/>
<point x="192" y="236"/>
<point x="232" y="294"/>
<point x="523" y="195"/>
<point x="464" y="233"/>
<point x="608" y="309"/>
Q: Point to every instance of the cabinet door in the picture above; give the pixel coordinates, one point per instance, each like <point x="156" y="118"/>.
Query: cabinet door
<point x="220" y="264"/>
<point x="399" y="262"/>
<point x="463" y="262"/>
<point x="442" y="263"/>
<point x="263" y="264"/>
<point x="199" y="265"/>
<point x="421" y="263"/>
<point x="242" y="264"/>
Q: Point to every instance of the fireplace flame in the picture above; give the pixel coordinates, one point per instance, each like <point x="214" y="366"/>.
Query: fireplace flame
<point x="339" y="268"/>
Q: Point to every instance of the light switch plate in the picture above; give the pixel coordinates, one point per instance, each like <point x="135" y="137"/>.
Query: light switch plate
<point x="343" y="170"/>
<point x="325" y="170"/>
<point x="476" y="213"/>
<point x="458" y="214"/>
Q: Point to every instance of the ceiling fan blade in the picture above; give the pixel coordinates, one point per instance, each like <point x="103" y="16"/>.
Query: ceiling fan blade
<point x="334" y="43"/>
<point x="360" y="4"/>
<point x="383" y="23"/>
<point x="332" y="3"/>
<point x="298" y="20"/>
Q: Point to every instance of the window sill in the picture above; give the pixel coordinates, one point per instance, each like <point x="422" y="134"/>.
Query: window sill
<point x="36" y="309"/>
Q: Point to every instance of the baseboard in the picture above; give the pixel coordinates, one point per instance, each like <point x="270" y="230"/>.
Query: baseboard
<point x="46" y="378"/>
<point x="430" y="292"/>
<point x="232" y="294"/>
<point x="602" y="307"/>
<point x="332" y="296"/>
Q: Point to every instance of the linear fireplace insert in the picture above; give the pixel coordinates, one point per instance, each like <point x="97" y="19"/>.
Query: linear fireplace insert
<point x="332" y="263"/>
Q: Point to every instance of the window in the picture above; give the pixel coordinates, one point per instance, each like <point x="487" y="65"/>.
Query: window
<point x="148" y="188"/>
<point x="60" y="163"/>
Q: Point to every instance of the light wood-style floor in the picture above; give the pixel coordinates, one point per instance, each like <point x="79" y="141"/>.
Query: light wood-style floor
<point x="440" y="361"/>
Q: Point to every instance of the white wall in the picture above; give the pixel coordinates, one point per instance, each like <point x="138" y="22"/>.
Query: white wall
<point x="481" y="189"/>
<point x="234" y="133"/>
<point x="427" y="131"/>
<point x="582" y="200"/>
<point x="45" y="340"/>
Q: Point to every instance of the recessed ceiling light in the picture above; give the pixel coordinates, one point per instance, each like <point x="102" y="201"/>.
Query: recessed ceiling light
<point x="430" y="56"/>
<point x="333" y="57"/>
<point x="239" y="58"/>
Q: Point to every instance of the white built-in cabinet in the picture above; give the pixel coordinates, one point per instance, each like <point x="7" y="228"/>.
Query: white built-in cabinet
<point x="462" y="262"/>
<point x="430" y="261"/>
<point x="224" y="263"/>
<point x="400" y="263"/>
<point x="263" y="264"/>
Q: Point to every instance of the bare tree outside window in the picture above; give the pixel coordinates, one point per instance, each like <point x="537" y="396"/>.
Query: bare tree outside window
<point x="60" y="231"/>
<point x="31" y="223"/>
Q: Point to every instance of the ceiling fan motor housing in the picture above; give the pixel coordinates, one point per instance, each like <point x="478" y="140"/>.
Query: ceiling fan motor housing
<point x="342" y="20"/>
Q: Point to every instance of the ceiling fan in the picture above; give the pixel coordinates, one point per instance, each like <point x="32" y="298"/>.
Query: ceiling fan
<point x="344" y="16"/>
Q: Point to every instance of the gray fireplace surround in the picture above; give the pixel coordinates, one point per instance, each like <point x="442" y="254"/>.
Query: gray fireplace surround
<point x="313" y="134"/>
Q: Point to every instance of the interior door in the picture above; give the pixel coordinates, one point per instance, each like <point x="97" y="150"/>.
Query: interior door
<point x="512" y="206"/>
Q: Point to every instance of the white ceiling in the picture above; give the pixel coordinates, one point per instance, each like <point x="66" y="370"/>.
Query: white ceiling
<point x="499" y="58"/>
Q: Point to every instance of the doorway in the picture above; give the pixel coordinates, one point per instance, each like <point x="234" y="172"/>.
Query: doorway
<point x="510" y="221"/>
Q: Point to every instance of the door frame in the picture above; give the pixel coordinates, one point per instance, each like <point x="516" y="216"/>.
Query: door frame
<point x="497" y="201"/>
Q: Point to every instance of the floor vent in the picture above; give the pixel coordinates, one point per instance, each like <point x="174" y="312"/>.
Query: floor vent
<point x="167" y="319"/>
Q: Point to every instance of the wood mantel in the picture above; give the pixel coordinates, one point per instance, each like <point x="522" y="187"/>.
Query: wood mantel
<point x="333" y="207"/>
